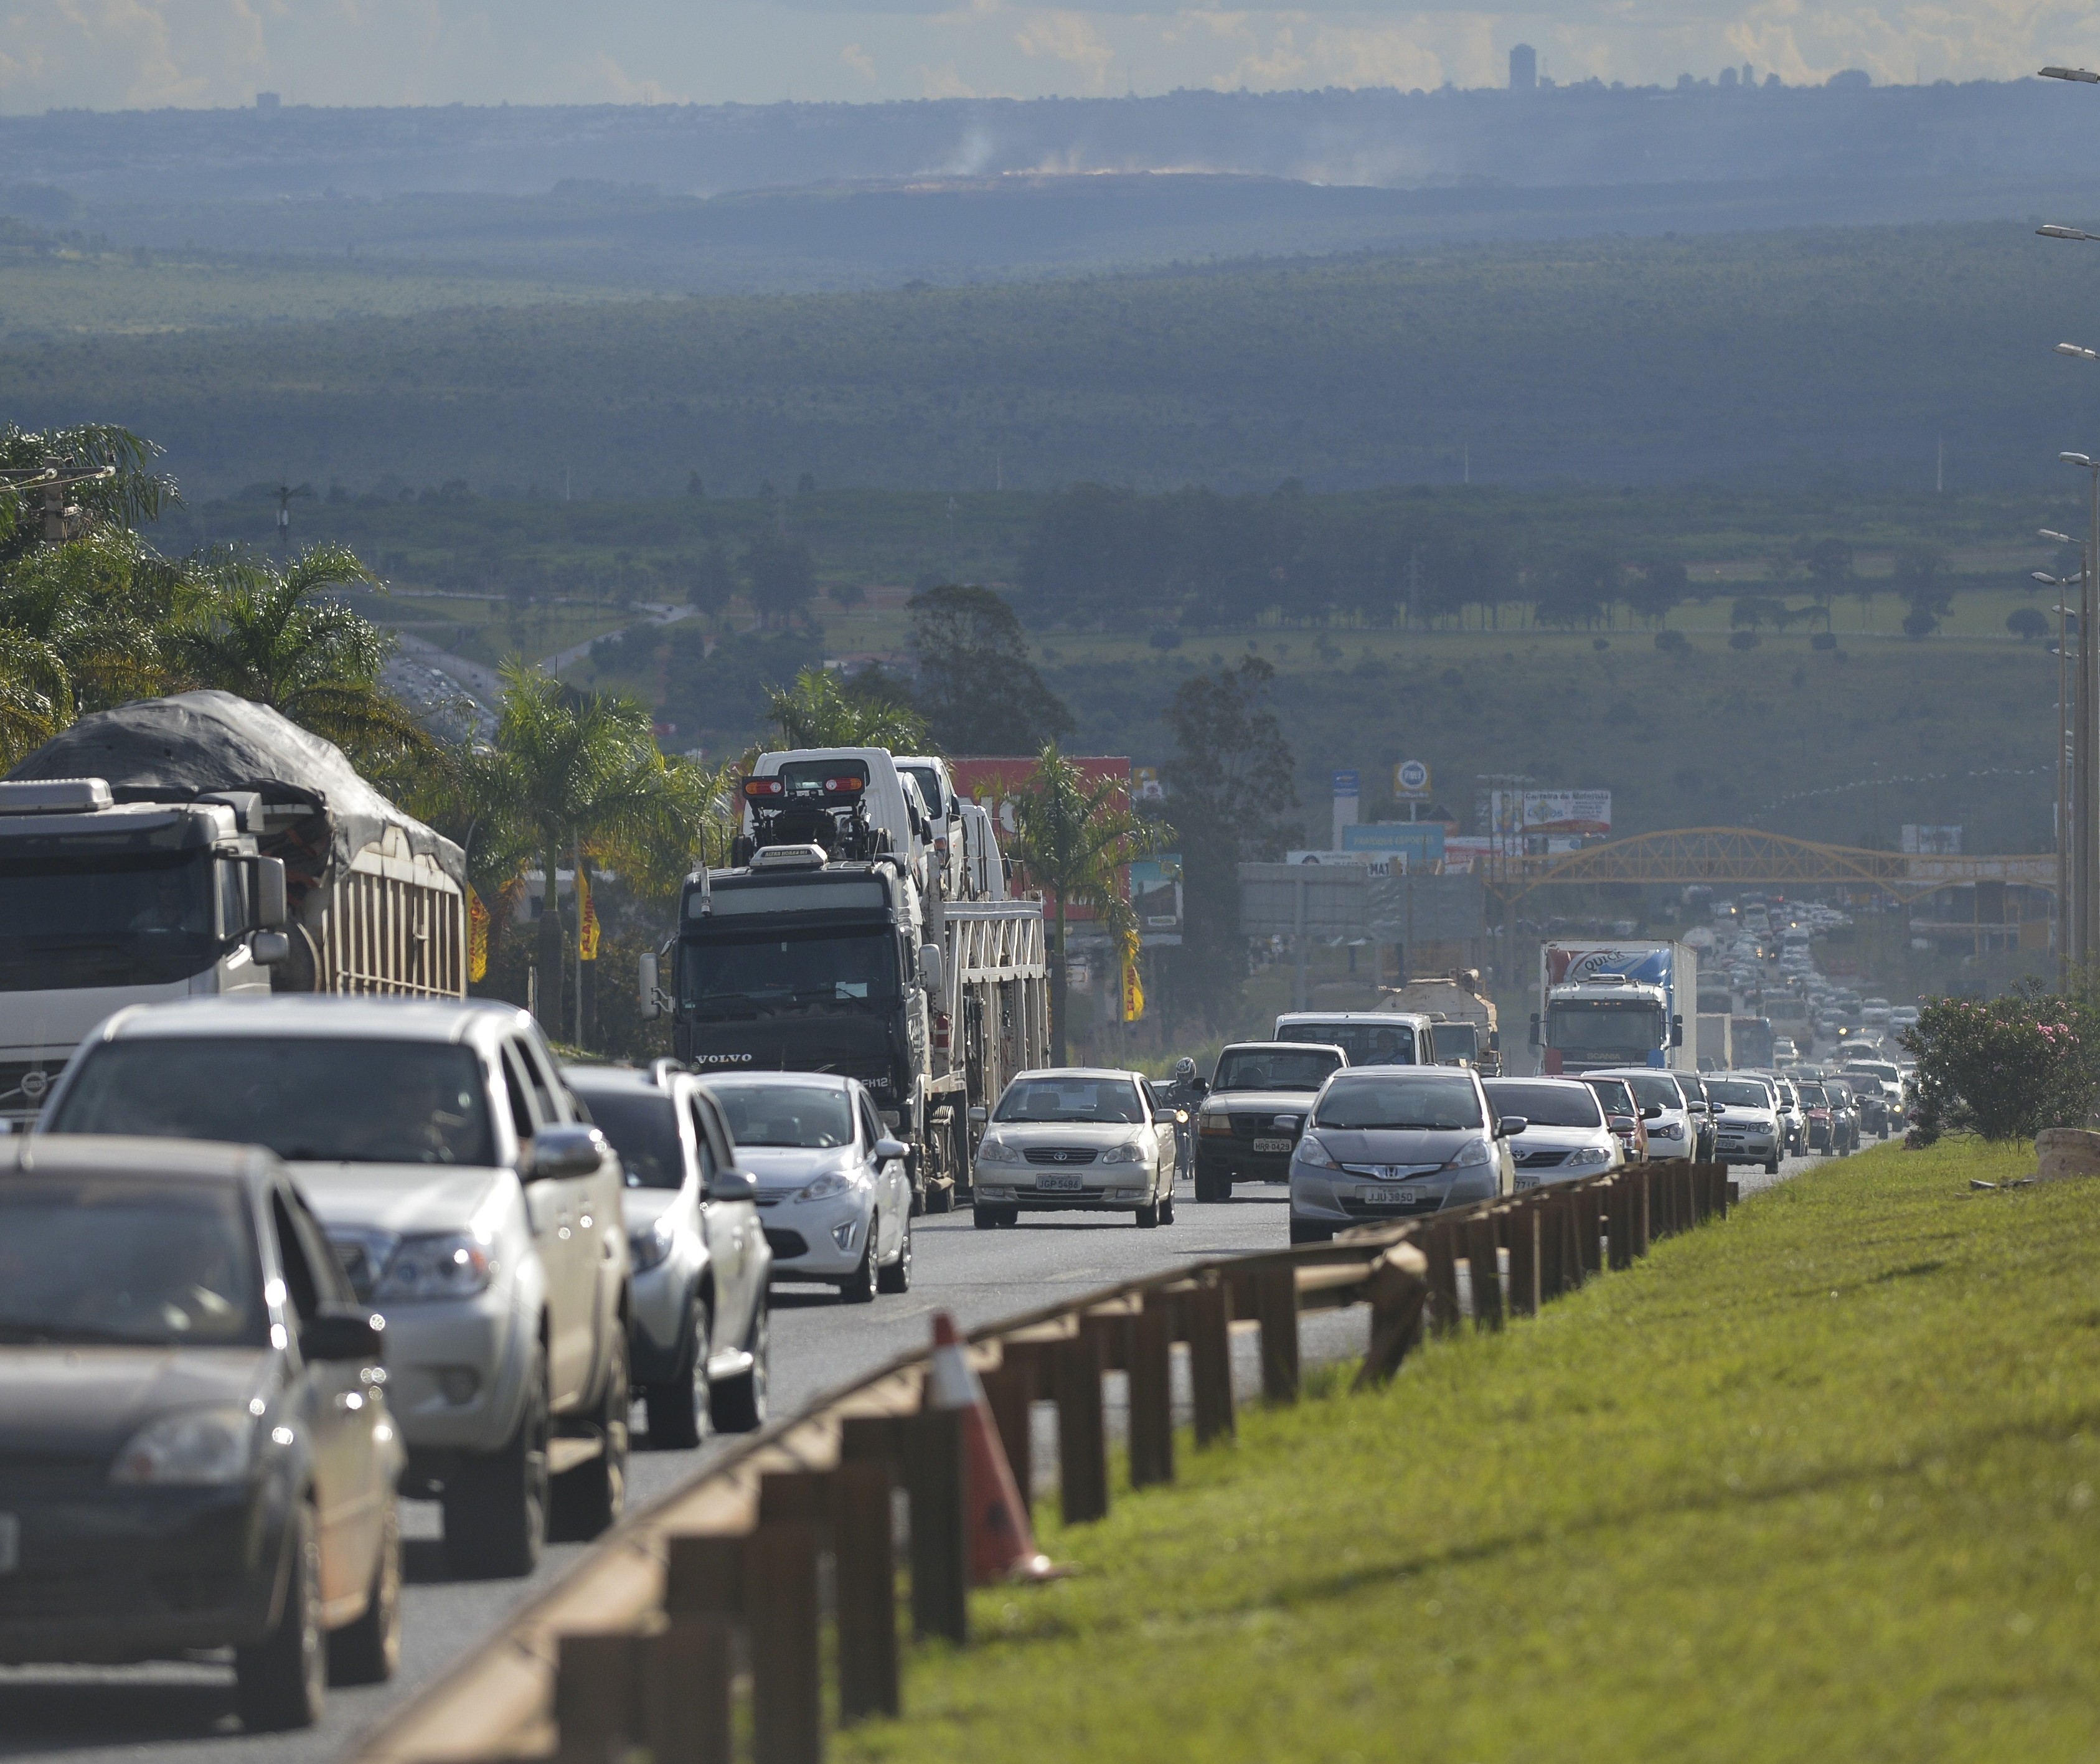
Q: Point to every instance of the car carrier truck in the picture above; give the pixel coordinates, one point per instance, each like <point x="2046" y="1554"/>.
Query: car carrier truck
<point x="830" y="946"/>
<point x="200" y="844"/>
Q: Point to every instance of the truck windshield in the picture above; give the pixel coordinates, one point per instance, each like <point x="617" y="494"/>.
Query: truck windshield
<point x="1364" y="1043"/>
<point x="1457" y="1041"/>
<point x="1607" y="1027"/>
<point x="764" y="973"/>
<point x="86" y="918"/>
<point x="308" y="1098"/>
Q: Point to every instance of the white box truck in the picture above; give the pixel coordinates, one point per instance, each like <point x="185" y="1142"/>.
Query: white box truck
<point x="1606" y="1004"/>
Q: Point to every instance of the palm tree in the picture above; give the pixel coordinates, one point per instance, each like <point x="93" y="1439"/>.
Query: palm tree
<point x="816" y="711"/>
<point x="1074" y="835"/>
<point x="281" y="639"/>
<point x="580" y="773"/>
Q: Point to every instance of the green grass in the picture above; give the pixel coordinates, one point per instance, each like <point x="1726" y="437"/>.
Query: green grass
<point x="1814" y="1483"/>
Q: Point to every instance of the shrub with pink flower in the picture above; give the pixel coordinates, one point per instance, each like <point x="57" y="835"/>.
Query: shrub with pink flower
<point x="2005" y="1067"/>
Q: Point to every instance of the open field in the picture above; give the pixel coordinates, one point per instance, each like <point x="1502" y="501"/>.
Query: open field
<point x="1819" y="1481"/>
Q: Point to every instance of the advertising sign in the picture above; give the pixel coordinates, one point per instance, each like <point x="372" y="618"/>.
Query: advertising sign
<point x="1567" y="811"/>
<point x="1932" y="841"/>
<point x="1146" y="777"/>
<point x="1155" y="897"/>
<point x="1410" y="779"/>
<point x="1421" y="840"/>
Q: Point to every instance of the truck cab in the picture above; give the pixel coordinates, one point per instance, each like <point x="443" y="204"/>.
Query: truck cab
<point x="1606" y="1020"/>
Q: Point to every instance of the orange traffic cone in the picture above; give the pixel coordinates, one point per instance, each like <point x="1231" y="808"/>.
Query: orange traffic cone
<point x="1002" y="1541"/>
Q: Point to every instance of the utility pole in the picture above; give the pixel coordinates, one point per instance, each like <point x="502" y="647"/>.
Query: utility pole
<point x="285" y="492"/>
<point x="2085" y="843"/>
<point x="2064" y="836"/>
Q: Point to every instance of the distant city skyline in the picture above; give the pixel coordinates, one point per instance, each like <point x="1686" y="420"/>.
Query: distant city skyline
<point x="146" y="54"/>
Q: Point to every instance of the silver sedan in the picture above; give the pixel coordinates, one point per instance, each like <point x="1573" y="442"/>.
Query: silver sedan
<point x="1083" y="1137"/>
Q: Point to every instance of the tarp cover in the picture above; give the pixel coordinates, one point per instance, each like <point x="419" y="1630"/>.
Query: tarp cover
<point x="197" y="743"/>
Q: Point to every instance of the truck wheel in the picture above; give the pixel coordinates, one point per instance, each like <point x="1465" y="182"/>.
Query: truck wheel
<point x="495" y="1505"/>
<point x="678" y="1408"/>
<point x="939" y="1197"/>
<point x="897" y="1276"/>
<point x="590" y="1498"/>
<point x="367" y="1651"/>
<point x="740" y="1403"/>
<point x="281" y="1682"/>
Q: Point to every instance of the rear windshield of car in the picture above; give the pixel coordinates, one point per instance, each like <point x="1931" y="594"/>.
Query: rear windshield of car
<point x="1812" y="1097"/>
<point x="1738" y="1094"/>
<point x="1613" y="1094"/>
<point x="1424" y="1102"/>
<point x="1546" y="1105"/>
<point x="644" y="1131"/>
<point x="154" y="1263"/>
<point x="1274" y="1068"/>
<point x="810" y="1116"/>
<point x="1054" y="1099"/>
<point x="1654" y="1092"/>
<point x="1364" y="1043"/>
<point x="308" y="1098"/>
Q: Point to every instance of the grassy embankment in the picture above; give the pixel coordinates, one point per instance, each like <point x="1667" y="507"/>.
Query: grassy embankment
<point x="1815" y="1482"/>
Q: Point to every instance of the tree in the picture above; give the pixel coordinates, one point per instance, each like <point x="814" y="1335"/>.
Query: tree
<point x="1829" y="562"/>
<point x="1657" y="585"/>
<point x="1075" y="837"/>
<point x="2026" y="624"/>
<point x="1921" y="578"/>
<point x="818" y="711"/>
<point x="979" y="690"/>
<point x="781" y="575"/>
<point x="711" y="584"/>
<point x="100" y="468"/>
<point x="1230" y="779"/>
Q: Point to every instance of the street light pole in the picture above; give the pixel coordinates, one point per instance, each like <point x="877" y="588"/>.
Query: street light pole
<point x="2063" y="614"/>
<point x="2086" y="864"/>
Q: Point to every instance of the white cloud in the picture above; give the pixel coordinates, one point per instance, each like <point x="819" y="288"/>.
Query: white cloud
<point x="1069" y="37"/>
<point x="859" y="60"/>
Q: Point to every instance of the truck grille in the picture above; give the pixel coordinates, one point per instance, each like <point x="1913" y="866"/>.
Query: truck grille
<point x="1263" y="1126"/>
<point x="39" y="1075"/>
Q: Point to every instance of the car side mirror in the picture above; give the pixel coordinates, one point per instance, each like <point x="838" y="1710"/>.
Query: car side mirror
<point x="344" y="1333"/>
<point x="1653" y="1112"/>
<point x="563" y="1151"/>
<point x="271" y="948"/>
<point x="979" y="1115"/>
<point x="1720" y="1108"/>
<point x="889" y="1150"/>
<point x="1509" y="1127"/>
<point x="733" y="1185"/>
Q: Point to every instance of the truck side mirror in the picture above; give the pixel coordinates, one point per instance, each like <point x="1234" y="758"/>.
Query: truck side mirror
<point x="1677" y="1032"/>
<point x="270" y="948"/>
<point x="271" y="911"/>
<point x="932" y="967"/>
<point x="651" y="1009"/>
<point x="1534" y="1028"/>
<point x="1494" y="1041"/>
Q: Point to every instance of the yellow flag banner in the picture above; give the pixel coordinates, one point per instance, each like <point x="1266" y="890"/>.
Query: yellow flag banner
<point x="586" y="919"/>
<point x="477" y="937"/>
<point x="1133" y="989"/>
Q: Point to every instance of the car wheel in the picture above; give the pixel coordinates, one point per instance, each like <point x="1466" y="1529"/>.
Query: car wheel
<point x="859" y="1287"/>
<point x="740" y="1403"/>
<point x="496" y="1506"/>
<point x="897" y="1276"/>
<point x="1010" y="1216"/>
<point x="1167" y="1209"/>
<point x="985" y="1217"/>
<point x="281" y="1682"/>
<point x="678" y="1408"/>
<point x="367" y="1651"/>
<point x="1213" y="1188"/>
<point x="590" y="1498"/>
<point x="1148" y="1216"/>
<point x="1771" y="1166"/>
<point x="1305" y="1231"/>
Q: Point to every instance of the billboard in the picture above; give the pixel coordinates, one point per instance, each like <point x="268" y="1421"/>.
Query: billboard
<point x="1932" y="841"/>
<point x="1410" y="780"/>
<point x="1421" y="840"/>
<point x="1507" y="816"/>
<point x="1155" y="897"/>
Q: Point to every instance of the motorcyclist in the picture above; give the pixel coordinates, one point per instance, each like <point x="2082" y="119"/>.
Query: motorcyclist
<point x="1184" y="1091"/>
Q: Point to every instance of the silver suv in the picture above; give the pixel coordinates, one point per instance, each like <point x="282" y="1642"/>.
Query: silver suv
<point x="466" y="1195"/>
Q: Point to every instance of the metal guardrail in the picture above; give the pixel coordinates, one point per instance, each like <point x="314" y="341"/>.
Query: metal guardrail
<point x="709" y="1599"/>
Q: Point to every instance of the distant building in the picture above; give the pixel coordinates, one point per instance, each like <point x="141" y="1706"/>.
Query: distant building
<point x="1523" y="68"/>
<point x="266" y="100"/>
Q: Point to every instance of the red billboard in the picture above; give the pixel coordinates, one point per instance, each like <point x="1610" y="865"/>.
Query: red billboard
<point x="976" y="775"/>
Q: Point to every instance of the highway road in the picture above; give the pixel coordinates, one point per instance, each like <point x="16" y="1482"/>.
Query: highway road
<point x="183" y="1714"/>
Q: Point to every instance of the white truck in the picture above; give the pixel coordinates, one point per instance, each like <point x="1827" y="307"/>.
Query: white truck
<point x="1609" y="1004"/>
<point x="200" y="846"/>
<point x="828" y="946"/>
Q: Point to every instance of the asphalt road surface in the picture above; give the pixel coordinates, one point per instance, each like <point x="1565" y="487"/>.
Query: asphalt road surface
<point x="183" y="1714"/>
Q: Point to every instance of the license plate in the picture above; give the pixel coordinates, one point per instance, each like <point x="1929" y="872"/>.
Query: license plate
<point x="1390" y="1197"/>
<point x="1062" y="1183"/>
<point x="1272" y="1145"/>
<point x="11" y="1543"/>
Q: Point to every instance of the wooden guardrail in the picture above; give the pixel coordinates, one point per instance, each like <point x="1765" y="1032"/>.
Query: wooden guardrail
<point x="700" y="1619"/>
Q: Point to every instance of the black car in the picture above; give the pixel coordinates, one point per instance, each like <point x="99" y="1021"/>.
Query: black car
<point x="196" y="1451"/>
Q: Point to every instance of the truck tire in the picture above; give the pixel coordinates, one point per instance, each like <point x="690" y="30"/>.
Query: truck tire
<point x="590" y="1498"/>
<point x="678" y="1407"/>
<point x="281" y="1682"/>
<point x="740" y="1403"/>
<point x="495" y="1504"/>
<point x="940" y="1196"/>
<point x="367" y="1651"/>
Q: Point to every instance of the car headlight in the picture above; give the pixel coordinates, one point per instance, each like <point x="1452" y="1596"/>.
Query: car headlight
<point x="831" y="1181"/>
<point x="1217" y="1121"/>
<point x="1589" y="1154"/>
<point x="994" y="1150"/>
<point x="1310" y="1151"/>
<point x="646" y="1249"/>
<point x="196" y="1448"/>
<point x="447" y="1265"/>
<point x="1472" y="1153"/>
<point x="1129" y="1152"/>
<point x="1666" y="1130"/>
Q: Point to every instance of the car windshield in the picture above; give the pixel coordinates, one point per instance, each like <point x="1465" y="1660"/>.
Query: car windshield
<point x="1738" y="1093"/>
<point x="1273" y="1069"/>
<point x="812" y="1117"/>
<point x="1868" y="1068"/>
<point x="1613" y="1094"/>
<point x="1364" y="1043"/>
<point x="133" y="1261"/>
<point x="644" y="1129"/>
<point x="1430" y="1101"/>
<point x="1546" y="1105"/>
<point x="309" y="1098"/>
<point x="1053" y="1098"/>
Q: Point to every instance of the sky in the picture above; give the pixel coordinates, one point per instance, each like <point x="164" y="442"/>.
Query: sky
<point x="143" y="54"/>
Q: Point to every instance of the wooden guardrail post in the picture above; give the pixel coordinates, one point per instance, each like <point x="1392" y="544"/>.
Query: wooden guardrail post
<point x="787" y="1650"/>
<point x="1589" y="1232"/>
<point x="704" y="1604"/>
<point x="1152" y="1392"/>
<point x="1439" y="1248"/>
<point x="864" y="1550"/>
<point x="1209" y="1315"/>
<point x="1643" y="1232"/>
<point x="940" y="1518"/>
<point x="1484" y="1259"/>
<point x="1083" y="1463"/>
<point x="1552" y="1246"/>
<point x="1398" y="1294"/>
<point x="597" y="1693"/>
<point x="1619" y="1219"/>
<point x="1275" y="1304"/>
<point x="1009" y="1389"/>
<point x="1520" y="1233"/>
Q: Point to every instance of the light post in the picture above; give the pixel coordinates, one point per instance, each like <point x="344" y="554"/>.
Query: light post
<point x="2063" y="614"/>
<point x="2086" y="866"/>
